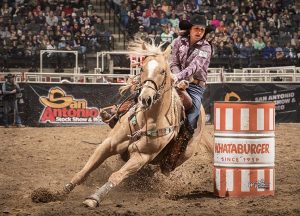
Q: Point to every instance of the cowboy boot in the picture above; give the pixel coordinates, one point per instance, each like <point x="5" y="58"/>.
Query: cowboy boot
<point x="112" y="116"/>
<point x="109" y="118"/>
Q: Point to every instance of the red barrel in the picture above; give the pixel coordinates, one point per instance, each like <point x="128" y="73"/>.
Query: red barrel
<point x="244" y="148"/>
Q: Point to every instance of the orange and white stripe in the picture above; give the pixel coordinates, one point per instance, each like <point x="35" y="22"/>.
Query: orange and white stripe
<point x="235" y="182"/>
<point x="244" y="117"/>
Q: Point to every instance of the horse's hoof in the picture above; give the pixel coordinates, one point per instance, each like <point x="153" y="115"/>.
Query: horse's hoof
<point x="90" y="203"/>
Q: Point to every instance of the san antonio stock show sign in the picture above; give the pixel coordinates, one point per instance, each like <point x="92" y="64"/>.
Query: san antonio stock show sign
<point x="63" y="108"/>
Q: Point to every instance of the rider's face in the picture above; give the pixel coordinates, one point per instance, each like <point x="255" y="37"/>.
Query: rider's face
<point x="196" y="33"/>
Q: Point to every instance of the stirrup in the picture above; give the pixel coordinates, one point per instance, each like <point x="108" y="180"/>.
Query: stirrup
<point x="105" y="116"/>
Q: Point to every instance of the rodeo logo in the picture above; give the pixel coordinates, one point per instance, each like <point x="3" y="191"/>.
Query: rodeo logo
<point x="63" y="108"/>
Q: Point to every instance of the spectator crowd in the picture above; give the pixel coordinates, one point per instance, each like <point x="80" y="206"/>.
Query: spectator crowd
<point x="246" y="29"/>
<point x="28" y="26"/>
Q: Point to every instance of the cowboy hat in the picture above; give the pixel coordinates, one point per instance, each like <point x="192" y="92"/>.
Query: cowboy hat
<point x="198" y="20"/>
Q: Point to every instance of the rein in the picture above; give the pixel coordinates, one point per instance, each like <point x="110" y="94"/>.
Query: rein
<point x="159" y="91"/>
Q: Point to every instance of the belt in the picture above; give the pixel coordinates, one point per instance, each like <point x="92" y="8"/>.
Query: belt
<point x="199" y="82"/>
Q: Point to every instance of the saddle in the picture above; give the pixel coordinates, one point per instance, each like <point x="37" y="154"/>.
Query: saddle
<point x="111" y="114"/>
<point x="185" y="99"/>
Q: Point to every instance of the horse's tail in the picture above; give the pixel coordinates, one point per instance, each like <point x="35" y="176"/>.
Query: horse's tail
<point x="206" y="138"/>
<point x="132" y="85"/>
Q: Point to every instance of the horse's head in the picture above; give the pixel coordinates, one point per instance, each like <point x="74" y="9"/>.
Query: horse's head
<point x="155" y="74"/>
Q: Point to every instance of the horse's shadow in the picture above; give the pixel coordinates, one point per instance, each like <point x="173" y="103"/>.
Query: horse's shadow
<point x="194" y="195"/>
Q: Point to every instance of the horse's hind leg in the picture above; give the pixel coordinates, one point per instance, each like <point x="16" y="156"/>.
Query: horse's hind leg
<point x="136" y="162"/>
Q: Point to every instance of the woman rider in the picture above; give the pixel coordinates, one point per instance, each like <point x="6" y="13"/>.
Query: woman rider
<point x="191" y="56"/>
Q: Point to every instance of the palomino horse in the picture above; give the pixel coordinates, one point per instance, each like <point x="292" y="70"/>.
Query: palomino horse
<point x="146" y="129"/>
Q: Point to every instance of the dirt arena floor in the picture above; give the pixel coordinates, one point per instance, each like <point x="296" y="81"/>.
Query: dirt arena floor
<point x="48" y="157"/>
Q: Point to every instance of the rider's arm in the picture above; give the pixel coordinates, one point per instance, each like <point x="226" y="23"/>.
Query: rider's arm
<point x="197" y="64"/>
<point x="175" y="66"/>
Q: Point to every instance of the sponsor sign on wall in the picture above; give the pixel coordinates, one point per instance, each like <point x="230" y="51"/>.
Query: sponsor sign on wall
<point x="60" y="107"/>
<point x="84" y="99"/>
<point x="67" y="104"/>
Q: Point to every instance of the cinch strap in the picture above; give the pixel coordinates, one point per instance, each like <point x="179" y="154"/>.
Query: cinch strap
<point x="151" y="133"/>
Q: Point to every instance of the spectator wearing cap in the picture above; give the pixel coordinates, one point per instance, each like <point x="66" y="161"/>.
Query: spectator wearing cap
<point x="289" y="51"/>
<point x="141" y="34"/>
<point x="279" y="54"/>
<point x="10" y="89"/>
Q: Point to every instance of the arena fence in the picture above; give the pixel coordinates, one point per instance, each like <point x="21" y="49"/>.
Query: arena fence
<point x="215" y="75"/>
<point x="43" y="103"/>
<point x="90" y="92"/>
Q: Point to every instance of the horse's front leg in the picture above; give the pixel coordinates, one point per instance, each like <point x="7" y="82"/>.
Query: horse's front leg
<point x="137" y="161"/>
<point x="110" y="146"/>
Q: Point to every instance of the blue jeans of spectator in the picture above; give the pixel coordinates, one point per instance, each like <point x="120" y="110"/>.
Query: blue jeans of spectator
<point x="11" y="105"/>
<point x="196" y="93"/>
<point x="82" y="50"/>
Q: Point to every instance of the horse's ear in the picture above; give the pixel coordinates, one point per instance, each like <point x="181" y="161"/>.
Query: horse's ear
<point x="167" y="52"/>
<point x="144" y="46"/>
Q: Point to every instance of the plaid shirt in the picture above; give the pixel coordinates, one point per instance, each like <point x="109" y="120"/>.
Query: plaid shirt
<point x="190" y="61"/>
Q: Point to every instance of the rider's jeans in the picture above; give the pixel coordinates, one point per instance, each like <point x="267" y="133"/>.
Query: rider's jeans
<point x="196" y="92"/>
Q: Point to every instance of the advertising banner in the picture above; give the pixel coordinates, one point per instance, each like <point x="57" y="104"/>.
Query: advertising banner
<point x="285" y="96"/>
<point x="65" y="104"/>
<point x="72" y="104"/>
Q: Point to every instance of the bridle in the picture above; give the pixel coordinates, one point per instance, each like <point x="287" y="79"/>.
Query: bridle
<point x="159" y="90"/>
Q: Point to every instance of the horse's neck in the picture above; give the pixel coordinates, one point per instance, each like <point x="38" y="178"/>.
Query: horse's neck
<point x="162" y="107"/>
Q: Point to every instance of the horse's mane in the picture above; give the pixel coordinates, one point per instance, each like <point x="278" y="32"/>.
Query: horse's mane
<point x="141" y="47"/>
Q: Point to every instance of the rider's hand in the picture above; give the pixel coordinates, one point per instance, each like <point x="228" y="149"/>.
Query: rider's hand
<point x="174" y="79"/>
<point x="183" y="85"/>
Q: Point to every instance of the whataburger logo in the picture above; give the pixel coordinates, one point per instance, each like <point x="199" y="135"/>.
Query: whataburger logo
<point x="63" y="108"/>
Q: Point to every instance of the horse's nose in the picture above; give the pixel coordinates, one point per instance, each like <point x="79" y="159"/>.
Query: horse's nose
<point x="147" y="101"/>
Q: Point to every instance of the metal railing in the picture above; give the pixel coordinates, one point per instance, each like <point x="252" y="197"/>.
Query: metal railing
<point x="42" y="52"/>
<point x="215" y="75"/>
